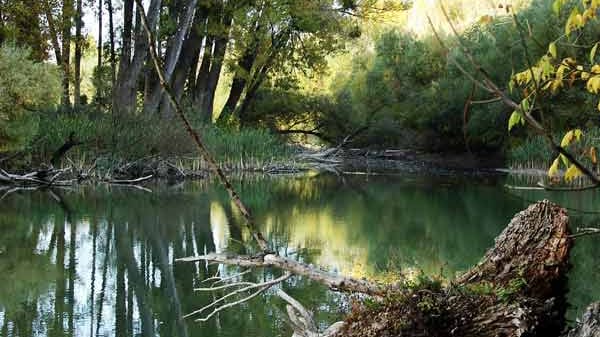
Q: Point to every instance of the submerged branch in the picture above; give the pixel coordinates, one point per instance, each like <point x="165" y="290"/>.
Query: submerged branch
<point x="331" y="280"/>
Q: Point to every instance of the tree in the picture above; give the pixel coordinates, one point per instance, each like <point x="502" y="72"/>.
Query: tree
<point x="26" y="85"/>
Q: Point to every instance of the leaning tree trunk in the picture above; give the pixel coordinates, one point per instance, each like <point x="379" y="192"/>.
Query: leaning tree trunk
<point x="516" y="289"/>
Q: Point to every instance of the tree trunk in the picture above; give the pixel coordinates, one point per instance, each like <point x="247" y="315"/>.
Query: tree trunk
<point x="78" y="53"/>
<point x="187" y="64"/>
<point x="516" y="290"/>
<point x="111" y="31"/>
<point x="53" y="33"/>
<point x="202" y="78"/>
<point x="100" y="10"/>
<point x="217" y="63"/>
<point x="131" y="66"/>
<point x="67" y="17"/>
<point x="152" y="102"/>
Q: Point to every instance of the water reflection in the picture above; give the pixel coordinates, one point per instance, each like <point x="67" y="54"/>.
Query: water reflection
<point x="100" y="261"/>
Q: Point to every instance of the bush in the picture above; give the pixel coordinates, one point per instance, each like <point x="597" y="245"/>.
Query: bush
<point x="25" y="87"/>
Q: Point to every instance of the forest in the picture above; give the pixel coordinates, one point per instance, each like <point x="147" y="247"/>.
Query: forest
<point x="305" y="168"/>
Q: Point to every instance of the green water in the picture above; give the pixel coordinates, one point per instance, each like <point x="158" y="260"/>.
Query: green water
<point x="99" y="261"/>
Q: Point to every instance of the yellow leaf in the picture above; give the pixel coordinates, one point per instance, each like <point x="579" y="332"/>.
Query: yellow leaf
<point x="553" y="170"/>
<point x="514" y="119"/>
<point x="585" y="75"/>
<point x="593" y="155"/>
<point x="556" y="84"/>
<point x="593" y="84"/>
<point x="552" y="49"/>
<point x="596" y="69"/>
<point x="567" y="139"/>
<point x="575" y="21"/>
<point x="560" y="73"/>
<point x="593" y="53"/>
<point x="572" y="173"/>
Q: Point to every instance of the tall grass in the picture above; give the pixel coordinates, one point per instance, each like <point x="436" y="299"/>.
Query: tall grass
<point x="129" y="138"/>
<point x="534" y="152"/>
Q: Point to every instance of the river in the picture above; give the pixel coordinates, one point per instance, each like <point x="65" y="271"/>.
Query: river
<point x="99" y="260"/>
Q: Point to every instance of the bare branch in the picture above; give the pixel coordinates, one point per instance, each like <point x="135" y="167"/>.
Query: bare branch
<point x="260" y="286"/>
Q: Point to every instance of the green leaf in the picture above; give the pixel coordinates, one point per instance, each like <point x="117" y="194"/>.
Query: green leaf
<point x="564" y="159"/>
<point x="593" y="53"/>
<point x="525" y="105"/>
<point x="552" y="50"/>
<point x="514" y="119"/>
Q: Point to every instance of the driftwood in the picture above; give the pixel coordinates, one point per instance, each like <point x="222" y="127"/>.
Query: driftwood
<point x="46" y="177"/>
<point x="50" y="178"/>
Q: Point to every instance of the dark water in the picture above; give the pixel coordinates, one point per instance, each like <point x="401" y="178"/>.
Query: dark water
<point x="100" y="261"/>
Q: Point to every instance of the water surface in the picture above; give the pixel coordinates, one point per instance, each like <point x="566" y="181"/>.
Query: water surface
<point x="99" y="261"/>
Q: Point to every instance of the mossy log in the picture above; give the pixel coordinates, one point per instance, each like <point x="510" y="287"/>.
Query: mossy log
<point x="516" y="290"/>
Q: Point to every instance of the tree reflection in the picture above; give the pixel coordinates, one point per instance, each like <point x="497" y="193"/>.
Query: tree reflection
<point x="99" y="261"/>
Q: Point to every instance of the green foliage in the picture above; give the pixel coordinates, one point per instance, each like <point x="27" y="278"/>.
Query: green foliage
<point x="402" y="91"/>
<point x="128" y="138"/>
<point x="514" y="287"/>
<point x="25" y="87"/>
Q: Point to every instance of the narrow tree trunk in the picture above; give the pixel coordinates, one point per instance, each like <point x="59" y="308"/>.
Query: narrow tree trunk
<point x="53" y="33"/>
<point x="78" y="53"/>
<point x="187" y="64"/>
<point x="111" y="31"/>
<point x="217" y="64"/>
<point x="202" y="78"/>
<point x="100" y="10"/>
<point x="67" y="18"/>
<point x="239" y="81"/>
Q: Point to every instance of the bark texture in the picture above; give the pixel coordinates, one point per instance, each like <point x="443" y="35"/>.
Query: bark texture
<point x="589" y="324"/>
<point x="516" y="289"/>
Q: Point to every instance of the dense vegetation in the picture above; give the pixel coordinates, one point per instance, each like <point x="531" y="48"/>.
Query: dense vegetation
<point x="264" y="72"/>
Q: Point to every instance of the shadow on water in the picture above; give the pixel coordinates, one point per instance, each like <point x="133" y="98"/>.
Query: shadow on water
<point x="100" y="261"/>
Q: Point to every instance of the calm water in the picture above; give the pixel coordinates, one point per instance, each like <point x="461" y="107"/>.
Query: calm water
<point x="100" y="261"/>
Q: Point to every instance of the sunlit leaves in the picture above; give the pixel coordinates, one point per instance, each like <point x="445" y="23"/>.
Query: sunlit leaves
<point x="572" y="173"/>
<point x="574" y="22"/>
<point x="552" y="50"/>
<point x="570" y="137"/>
<point x="515" y="118"/>
<point x="593" y="84"/>
<point x="593" y="53"/>
<point x="553" y="171"/>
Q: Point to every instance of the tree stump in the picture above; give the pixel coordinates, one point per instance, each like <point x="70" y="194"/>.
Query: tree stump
<point x="516" y="290"/>
<point x="589" y="324"/>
